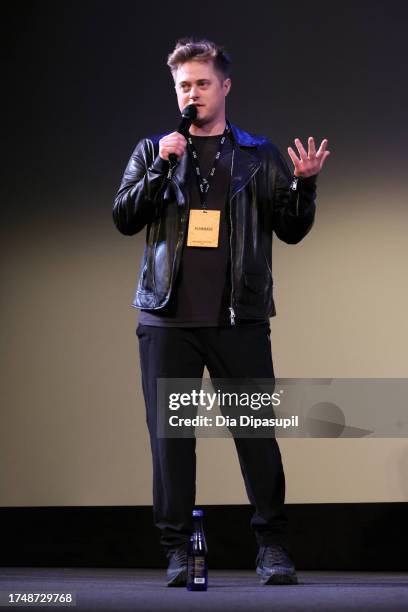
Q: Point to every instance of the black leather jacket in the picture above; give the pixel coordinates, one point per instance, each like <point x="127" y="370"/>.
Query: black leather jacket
<point x="263" y="198"/>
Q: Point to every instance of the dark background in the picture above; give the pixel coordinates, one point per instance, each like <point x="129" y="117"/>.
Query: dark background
<point x="85" y="80"/>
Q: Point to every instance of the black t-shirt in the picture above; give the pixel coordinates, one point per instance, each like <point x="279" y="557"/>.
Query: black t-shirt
<point x="201" y="295"/>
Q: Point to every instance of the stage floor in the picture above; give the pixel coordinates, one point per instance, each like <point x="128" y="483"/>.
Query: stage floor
<point x="114" y="590"/>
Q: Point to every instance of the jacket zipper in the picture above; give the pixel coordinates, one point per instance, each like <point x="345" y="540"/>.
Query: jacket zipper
<point x="169" y="178"/>
<point x="181" y="232"/>
<point x="294" y="187"/>
<point x="231" y="308"/>
<point x="171" y="170"/>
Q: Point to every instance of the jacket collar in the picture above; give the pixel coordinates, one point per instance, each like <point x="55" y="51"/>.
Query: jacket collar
<point x="245" y="164"/>
<point x="244" y="139"/>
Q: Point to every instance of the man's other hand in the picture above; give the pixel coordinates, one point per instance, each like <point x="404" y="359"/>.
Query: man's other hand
<point x="310" y="163"/>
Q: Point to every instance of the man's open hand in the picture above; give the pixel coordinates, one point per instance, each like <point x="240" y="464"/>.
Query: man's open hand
<point x="310" y="163"/>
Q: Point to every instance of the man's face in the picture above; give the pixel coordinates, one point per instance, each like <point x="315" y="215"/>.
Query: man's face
<point x="198" y="83"/>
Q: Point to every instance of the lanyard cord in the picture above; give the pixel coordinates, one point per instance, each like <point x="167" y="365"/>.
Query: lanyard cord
<point x="204" y="183"/>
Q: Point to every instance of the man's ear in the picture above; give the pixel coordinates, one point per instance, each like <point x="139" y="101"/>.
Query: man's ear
<point x="227" y="86"/>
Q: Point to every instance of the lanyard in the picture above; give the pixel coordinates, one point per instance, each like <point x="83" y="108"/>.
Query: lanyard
<point x="204" y="183"/>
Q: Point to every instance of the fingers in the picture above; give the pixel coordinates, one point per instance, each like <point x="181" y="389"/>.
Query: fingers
<point x="324" y="157"/>
<point x="312" y="162"/>
<point x="176" y="141"/>
<point x="172" y="143"/>
<point x="322" y="148"/>
<point x="293" y="157"/>
<point x="301" y="149"/>
<point x="312" y="148"/>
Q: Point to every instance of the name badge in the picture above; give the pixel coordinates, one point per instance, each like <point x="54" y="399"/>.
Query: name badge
<point x="203" y="228"/>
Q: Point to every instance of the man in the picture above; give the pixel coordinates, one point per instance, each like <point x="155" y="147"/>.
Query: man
<point x="206" y="298"/>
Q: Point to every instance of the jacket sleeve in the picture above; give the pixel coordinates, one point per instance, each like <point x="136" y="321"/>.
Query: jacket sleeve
<point x="293" y="205"/>
<point x="136" y="200"/>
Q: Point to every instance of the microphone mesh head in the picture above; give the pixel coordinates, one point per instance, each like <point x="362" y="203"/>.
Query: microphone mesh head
<point x="189" y="112"/>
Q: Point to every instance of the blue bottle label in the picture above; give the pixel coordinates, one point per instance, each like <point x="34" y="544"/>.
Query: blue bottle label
<point x="199" y="569"/>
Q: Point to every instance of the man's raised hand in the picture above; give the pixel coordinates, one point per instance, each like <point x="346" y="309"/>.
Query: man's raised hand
<point x="310" y="162"/>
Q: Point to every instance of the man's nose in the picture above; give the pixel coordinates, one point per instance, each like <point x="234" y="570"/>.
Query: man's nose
<point x="193" y="93"/>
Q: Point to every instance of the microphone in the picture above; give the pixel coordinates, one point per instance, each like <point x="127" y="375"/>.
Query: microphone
<point x="189" y="113"/>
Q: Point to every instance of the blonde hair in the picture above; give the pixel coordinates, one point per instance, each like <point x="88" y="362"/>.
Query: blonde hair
<point x="203" y="50"/>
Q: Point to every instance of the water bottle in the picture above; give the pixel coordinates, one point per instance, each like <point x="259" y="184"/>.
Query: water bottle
<point x="197" y="567"/>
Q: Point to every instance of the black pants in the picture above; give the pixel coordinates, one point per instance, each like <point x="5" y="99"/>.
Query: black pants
<point x="227" y="352"/>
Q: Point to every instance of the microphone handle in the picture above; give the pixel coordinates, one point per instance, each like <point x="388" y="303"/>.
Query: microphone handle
<point x="173" y="159"/>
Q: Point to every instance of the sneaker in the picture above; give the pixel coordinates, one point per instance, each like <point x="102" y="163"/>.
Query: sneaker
<point x="274" y="565"/>
<point x="177" y="569"/>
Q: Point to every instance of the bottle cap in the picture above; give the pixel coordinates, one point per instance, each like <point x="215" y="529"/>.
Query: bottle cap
<point x="199" y="513"/>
